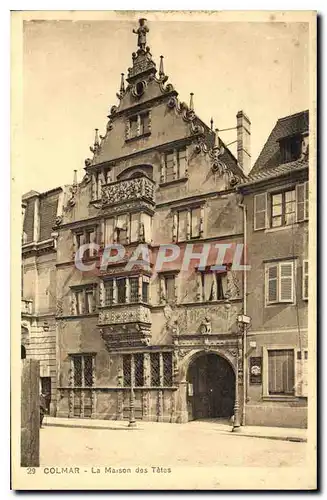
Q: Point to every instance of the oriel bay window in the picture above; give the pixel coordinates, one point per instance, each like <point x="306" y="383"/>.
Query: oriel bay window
<point x="281" y="208"/>
<point x="128" y="228"/>
<point x="124" y="290"/>
<point x="158" y="365"/>
<point x="83" y="300"/>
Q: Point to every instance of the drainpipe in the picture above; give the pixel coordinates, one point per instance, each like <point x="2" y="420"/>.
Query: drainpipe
<point x="245" y="380"/>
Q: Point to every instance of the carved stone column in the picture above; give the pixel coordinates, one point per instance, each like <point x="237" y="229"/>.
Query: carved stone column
<point x="101" y="294"/>
<point x="175" y="165"/>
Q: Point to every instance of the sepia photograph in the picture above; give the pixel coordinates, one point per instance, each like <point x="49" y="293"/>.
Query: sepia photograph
<point x="163" y="219"/>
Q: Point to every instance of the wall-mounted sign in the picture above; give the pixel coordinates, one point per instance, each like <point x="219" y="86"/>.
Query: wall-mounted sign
<point x="255" y="370"/>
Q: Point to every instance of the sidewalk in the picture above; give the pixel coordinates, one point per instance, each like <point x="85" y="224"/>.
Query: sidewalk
<point x="277" y="433"/>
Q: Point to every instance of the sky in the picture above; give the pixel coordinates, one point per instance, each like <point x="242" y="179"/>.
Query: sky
<point x="71" y="73"/>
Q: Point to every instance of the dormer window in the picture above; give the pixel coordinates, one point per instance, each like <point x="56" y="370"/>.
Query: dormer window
<point x="290" y="148"/>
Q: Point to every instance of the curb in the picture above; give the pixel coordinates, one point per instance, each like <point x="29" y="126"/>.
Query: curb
<point x="294" y="439"/>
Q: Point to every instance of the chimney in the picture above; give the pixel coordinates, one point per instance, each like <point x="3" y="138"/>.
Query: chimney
<point x="243" y="142"/>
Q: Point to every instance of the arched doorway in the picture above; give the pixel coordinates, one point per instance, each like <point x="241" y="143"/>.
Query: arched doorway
<point x="210" y="387"/>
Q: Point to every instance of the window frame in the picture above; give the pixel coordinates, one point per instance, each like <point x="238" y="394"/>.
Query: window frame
<point x="84" y="290"/>
<point x="81" y="357"/>
<point x="278" y="264"/>
<point x="265" y="373"/>
<point x="283" y="205"/>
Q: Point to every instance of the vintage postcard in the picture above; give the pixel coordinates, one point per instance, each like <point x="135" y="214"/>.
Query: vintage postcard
<point x="163" y="250"/>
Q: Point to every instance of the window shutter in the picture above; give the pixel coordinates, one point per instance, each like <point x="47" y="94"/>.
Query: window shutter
<point x="195" y="222"/>
<point x="271" y="286"/>
<point x="286" y="293"/>
<point x="135" y="225"/>
<point x="306" y="197"/>
<point x="260" y="211"/>
<point x="109" y="231"/>
<point x="305" y="280"/>
<point x="182" y="225"/>
<point x="301" y="387"/>
<point x="300" y="202"/>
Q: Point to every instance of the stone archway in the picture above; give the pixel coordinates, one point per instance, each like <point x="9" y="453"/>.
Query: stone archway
<point x="210" y="382"/>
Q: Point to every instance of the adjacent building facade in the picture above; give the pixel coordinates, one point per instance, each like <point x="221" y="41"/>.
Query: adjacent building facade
<point x="169" y="340"/>
<point x="276" y="199"/>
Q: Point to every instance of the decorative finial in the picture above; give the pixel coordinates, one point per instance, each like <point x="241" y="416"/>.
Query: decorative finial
<point x="211" y="123"/>
<point x="141" y="32"/>
<point x="161" y="67"/>
<point x="75" y="178"/>
<point x="216" y="146"/>
<point x="122" y="85"/>
<point x="96" y="138"/>
<point x="191" y="102"/>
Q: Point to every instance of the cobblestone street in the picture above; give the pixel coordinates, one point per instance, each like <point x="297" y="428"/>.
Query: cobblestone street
<point x="165" y="445"/>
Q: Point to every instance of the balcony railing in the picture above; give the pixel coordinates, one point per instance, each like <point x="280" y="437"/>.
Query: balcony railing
<point x="128" y="190"/>
<point x="26" y="306"/>
<point x="126" y="313"/>
<point x="127" y="325"/>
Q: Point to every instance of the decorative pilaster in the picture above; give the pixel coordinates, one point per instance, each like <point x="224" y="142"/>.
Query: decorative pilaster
<point x="175" y="164"/>
<point x="71" y="392"/>
<point x="160" y="406"/>
<point x="120" y="405"/>
<point x="188" y="224"/>
<point x="127" y="129"/>
<point x="162" y="167"/>
<point x="94" y="187"/>
<point x="149" y="121"/>
<point x="101" y="294"/>
<point x="102" y="234"/>
<point x="186" y="161"/>
<point x="201" y="228"/>
<point x="93" y="393"/>
<point x="73" y="304"/>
